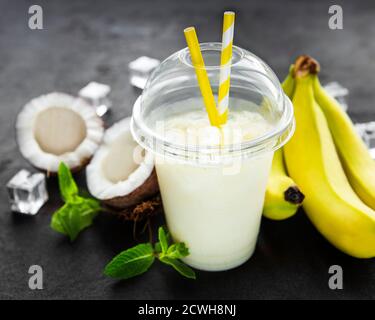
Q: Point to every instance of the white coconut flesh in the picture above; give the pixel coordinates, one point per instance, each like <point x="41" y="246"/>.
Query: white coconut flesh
<point x="119" y="162"/>
<point x="59" y="130"/>
<point x="58" y="127"/>
<point x="121" y="168"/>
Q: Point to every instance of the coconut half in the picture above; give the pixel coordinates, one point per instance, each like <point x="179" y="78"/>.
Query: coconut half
<point x="121" y="173"/>
<point x="58" y="127"/>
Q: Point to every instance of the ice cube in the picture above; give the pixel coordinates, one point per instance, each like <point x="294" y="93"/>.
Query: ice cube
<point x="140" y="69"/>
<point x="96" y="94"/>
<point x="371" y="143"/>
<point x="339" y="92"/>
<point x="27" y="192"/>
<point x="367" y="132"/>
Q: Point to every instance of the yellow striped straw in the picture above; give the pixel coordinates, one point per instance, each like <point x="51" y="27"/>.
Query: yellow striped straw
<point x="200" y="70"/>
<point x="225" y="65"/>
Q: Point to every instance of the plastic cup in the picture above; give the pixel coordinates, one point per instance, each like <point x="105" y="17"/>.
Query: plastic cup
<point x="213" y="194"/>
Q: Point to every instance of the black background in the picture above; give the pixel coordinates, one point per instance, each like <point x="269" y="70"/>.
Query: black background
<point x="91" y="40"/>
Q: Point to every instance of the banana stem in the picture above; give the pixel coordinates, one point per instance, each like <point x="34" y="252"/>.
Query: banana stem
<point x="305" y="65"/>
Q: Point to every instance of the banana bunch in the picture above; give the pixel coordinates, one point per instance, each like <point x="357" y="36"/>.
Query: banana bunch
<point x="331" y="165"/>
<point x="283" y="197"/>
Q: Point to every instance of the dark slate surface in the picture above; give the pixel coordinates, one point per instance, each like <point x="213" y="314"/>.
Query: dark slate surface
<point x="92" y="40"/>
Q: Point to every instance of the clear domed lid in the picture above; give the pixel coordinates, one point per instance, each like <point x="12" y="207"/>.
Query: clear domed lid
<point x="253" y="86"/>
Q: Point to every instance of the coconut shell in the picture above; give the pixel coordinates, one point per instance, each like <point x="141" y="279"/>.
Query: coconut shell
<point x="149" y="188"/>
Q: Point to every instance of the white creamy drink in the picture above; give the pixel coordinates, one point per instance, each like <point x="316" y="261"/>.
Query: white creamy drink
<point x="214" y="209"/>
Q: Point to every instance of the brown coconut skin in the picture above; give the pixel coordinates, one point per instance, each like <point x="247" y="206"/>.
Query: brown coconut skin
<point x="76" y="169"/>
<point x="149" y="188"/>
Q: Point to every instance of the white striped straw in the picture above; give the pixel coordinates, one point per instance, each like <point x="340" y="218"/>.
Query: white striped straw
<point x="225" y="65"/>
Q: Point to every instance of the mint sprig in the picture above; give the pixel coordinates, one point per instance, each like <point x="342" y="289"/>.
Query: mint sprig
<point x="78" y="212"/>
<point x="137" y="260"/>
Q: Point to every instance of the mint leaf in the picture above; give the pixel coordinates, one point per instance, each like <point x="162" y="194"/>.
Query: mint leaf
<point x="131" y="262"/>
<point x="72" y="218"/>
<point x="66" y="221"/>
<point x="177" y="251"/>
<point x="56" y="223"/>
<point x="163" y="240"/>
<point x="179" y="266"/>
<point x="172" y="254"/>
<point x="89" y="207"/>
<point x="67" y="185"/>
<point x="70" y="221"/>
<point x="157" y="247"/>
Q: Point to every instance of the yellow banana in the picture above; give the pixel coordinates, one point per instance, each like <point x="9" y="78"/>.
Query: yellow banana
<point x="355" y="157"/>
<point x="283" y="198"/>
<point x="313" y="163"/>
